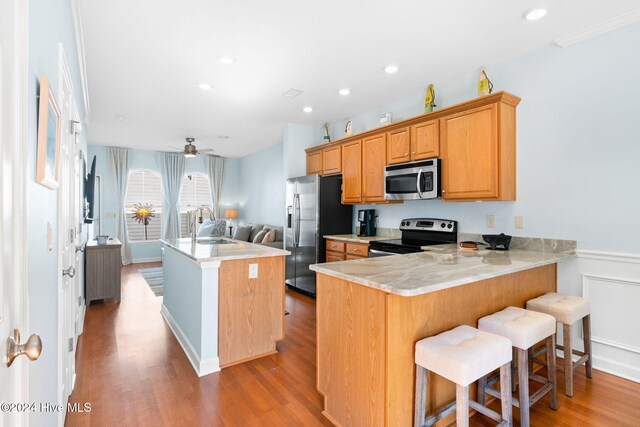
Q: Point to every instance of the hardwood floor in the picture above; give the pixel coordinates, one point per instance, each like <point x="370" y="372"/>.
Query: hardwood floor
<point x="134" y="373"/>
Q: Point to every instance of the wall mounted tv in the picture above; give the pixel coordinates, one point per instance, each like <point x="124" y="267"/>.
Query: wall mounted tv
<point x="89" y="192"/>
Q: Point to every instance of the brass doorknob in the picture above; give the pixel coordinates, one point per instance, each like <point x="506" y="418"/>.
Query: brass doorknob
<point x="32" y="348"/>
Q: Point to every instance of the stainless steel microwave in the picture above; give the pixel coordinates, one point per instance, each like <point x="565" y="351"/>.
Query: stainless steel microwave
<point x="413" y="181"/>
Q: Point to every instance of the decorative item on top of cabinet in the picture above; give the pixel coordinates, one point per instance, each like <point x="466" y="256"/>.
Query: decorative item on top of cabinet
<point x="485" y="87"/>
<point x="314" y="162"/>
<point x="348" y="129"/>
<point x="326" y="138"/>
<point x="478" y="152"/>
<point x="430" y="99"/>
<point x="332" y="160"/>
<point x="385" y="119"/>
<point x="352" y="172"/>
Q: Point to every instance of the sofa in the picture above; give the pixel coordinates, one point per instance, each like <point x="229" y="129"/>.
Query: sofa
<point x="262" y="234"/>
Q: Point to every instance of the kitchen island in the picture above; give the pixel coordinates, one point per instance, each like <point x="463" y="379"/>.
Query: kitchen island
<point x="223" y="299"/>
<point x="371" y="312"/>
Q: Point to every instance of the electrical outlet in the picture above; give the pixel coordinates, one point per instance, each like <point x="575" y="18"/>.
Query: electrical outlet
<point x="491" y="221"/>
<point x="519" y="222"/>
<point x="253" y="271"/>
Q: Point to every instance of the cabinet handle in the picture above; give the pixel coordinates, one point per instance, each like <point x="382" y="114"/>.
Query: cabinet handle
<point x="406" y="154"/>
<point x="444" y="191"/>
<point x="356" y="250"/>
<point x="413" y="152"/>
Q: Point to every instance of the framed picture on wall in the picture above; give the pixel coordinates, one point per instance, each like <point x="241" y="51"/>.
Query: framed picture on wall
<point x="48" y="137"/>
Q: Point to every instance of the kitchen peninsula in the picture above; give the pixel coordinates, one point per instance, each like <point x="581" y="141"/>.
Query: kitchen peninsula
<point x="223" y="299"/>
<point x="372" y="311"/>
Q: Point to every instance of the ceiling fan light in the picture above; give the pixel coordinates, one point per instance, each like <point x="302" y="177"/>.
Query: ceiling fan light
<point x="189" y="155"/>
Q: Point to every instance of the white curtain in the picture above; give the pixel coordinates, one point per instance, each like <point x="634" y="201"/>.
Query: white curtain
<point x="215" y="170"/>
<point x="119" y="169"/>
<point x="171" y="167"/>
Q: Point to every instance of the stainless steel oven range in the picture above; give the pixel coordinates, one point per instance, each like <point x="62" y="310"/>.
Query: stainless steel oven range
<point x="416" y="233"/>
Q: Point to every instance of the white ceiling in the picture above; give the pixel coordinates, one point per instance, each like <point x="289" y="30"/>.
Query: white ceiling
<point x="146" y="58"/>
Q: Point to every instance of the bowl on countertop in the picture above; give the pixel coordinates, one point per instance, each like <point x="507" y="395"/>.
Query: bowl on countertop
<point x="498" y="241"/>
<point x="102" y="239"/>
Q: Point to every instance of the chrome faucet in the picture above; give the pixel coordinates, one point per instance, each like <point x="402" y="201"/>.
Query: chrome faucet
<point x="193" y="215"/>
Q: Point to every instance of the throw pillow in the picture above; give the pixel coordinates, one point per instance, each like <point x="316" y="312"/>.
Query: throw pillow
<point x="259" y="236"/>
<point x="279" y="232"/>
<point x="269" y="237"/>
<point x="242" y="233"/>
<point x="256" y="228"/>
<point x="206" y="228"/>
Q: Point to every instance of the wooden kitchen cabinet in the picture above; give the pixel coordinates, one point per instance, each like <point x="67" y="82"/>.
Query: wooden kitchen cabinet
<point x="339" y="251"/>
<point x="102" y="270"/>
<point x="374" y="159"/>
<point x="425" y="140"/>
<point x="332" y="160"/>
<point x="398" y="146"/>
<point x="352" y="172"/>
<point x="478" y="154"/>
<point x="314" y="162"/>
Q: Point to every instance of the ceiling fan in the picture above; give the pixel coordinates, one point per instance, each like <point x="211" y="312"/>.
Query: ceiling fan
<point x="190" y="150"/>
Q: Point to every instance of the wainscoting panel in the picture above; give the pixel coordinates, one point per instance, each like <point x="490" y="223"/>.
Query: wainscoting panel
<point x="612" y="282"/>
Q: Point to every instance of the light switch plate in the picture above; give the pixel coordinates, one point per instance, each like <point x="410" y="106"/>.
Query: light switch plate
<point x="49" y="237"/>
<point x="491" y="221"/>
<point x="253" y="271"/>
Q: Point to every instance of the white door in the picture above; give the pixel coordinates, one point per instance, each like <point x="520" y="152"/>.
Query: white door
<point x="68" y="236"/>
<point x="13" y="164"/>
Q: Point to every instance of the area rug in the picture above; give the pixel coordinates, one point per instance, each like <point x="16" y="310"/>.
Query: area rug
<point x="153" y="277"/>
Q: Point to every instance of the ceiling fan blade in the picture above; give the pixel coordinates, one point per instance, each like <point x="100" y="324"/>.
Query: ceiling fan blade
<point x="176" y="148"/>
<point x="207" y="150"/>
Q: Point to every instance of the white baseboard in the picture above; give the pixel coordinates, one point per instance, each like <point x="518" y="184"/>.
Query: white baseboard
<point x="143" y="260"/>
<point x="83" y="311"/>
<point x="613" y="367"/>
<point x="202" y="367"/>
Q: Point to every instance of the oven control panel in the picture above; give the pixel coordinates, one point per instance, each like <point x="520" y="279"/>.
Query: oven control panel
<point x="429" y="224"/>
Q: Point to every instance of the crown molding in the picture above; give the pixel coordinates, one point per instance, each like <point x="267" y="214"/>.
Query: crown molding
<point x="82" y="63"/>
<point x="599" y="29"/>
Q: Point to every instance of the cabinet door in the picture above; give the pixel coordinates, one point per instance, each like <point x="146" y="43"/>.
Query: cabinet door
<point x="331" y="161"/>
<point x="398" y="146"/>
<point x="374" y="159"/>
<point x="314" y="163"/>
<point x="351" y="172"/>
<point x="425" y="141"/>
<point x="335" y="256"/>
<point x="470" y="154"/>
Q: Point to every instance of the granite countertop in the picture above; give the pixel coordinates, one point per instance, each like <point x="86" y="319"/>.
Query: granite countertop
<point x="424" y="272"/>
<point x="220" y="252"/>
<point x="354" y="238"/>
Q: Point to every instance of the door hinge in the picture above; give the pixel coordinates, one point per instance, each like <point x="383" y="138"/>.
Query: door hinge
<point x="79" y="300"/>
<point x="72" y="235"/>
<point x="70" y="344"/>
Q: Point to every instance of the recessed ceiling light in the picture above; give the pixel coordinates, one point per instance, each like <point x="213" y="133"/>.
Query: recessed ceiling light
<point x="226" y="60"/>
<point x="205" y="86"/>
<point x="120" y="118"/>
<point x="534" y="14"/>
<point x="307" y="109"/>
<point x="344" y="91"/>
<point x="391" y="69"/>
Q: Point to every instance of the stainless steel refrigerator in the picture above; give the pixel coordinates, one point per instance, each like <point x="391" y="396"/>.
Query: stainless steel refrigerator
<point x="313" y="211"/>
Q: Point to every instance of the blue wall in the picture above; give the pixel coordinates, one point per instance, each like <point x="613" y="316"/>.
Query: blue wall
<point x="262" y="187"/>
<point x="578" y="144"/>
<point x="50" y="23"/>
<point x="140" y="159"/>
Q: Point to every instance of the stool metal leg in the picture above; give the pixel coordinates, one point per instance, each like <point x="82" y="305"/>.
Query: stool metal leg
<point x="568" y="359"/>
<point x="462" y="406"/>
<point x="551" y="370"/>
<point x="523" y="379"/>
<point x="586" y="331"/>
<point x="505" y="393"/>
<point x="420" y="408"/>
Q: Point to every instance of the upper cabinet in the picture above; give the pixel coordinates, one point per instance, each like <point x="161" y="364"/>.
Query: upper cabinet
<point x="352" y="172"/>
<point x="476" y="141"/>
<point x="332" y="160"/>
<point x="374" y="150"/>
<point x="478" y="154"/>
<point x="314" y="162"/>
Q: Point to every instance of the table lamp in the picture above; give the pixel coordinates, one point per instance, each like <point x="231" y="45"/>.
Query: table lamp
<point x="231" y="214"/>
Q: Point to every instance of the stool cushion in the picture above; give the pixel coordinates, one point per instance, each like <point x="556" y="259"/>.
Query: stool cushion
<point x="523" y="327"/>
<point x="567" y="309"/>
<point x="463" y="354"/>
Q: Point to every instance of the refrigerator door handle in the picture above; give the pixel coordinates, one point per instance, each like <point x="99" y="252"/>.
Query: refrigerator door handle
<point x="296" y="231"/>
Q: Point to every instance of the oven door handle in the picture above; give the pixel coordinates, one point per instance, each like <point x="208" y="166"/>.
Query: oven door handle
<point x="418" y="183"/>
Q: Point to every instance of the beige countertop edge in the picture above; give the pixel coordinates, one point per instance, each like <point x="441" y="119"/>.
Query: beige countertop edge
<point x="357" y="239"/>
<point x="318" y="268"/>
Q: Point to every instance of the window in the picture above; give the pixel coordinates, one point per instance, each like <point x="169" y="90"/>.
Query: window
<point x="145" y="187"/>
<point x="195" y="192"/>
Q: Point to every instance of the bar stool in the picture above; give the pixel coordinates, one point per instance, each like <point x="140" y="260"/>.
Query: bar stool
<point x="568" y="309"/>
<point x="524" y="328"/>
<point x="462" y="355"/>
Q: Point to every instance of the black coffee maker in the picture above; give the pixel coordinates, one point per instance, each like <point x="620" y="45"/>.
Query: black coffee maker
<point x="367" y="220"/>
